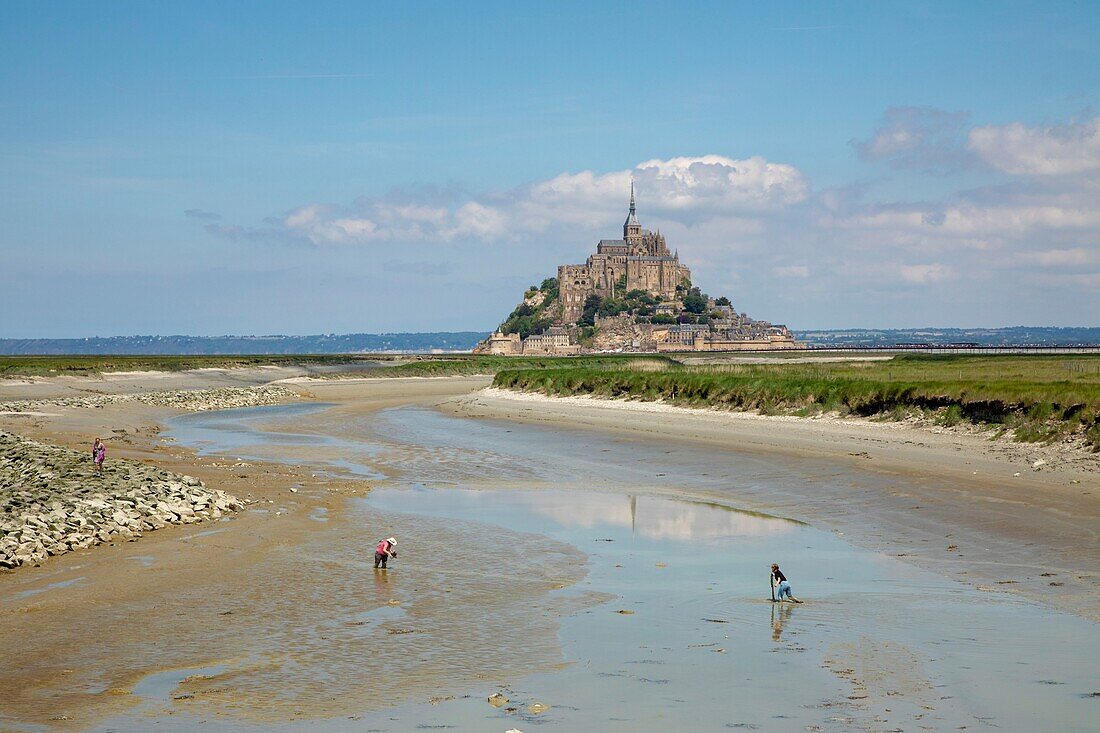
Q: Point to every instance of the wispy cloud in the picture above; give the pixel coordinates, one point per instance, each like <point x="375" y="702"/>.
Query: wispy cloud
<point x="258" y="235"/>
<point x="1054" y="150"/>
<point x="791" y="271"/>
<point x="920" y="138"/>
<point x="200" y="214"/>
<point x="305" y="76"/>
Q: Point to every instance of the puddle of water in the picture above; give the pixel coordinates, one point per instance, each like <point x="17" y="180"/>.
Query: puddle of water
<point x="145" y="560"/>
<point x="161" y="687"/>
<point x="319" y="514"/>
<point x="48" y="587"/>
<point x="264" y="434"/>
<point x="373" y="619"/>
<point x="204" y="533"/>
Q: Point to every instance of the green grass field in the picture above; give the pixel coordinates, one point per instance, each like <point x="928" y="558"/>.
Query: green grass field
<point x="1038" y="398"/>
<point x="16" y="366"/>
<point x="431" y="365"/>
<point x="466" y="365"/>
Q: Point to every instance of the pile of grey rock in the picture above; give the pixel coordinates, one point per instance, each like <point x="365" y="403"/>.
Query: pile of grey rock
<point x="215" y="398"/>
<point x="53" y="501"/>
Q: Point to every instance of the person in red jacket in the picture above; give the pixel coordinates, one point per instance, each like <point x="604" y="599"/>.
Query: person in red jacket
<point x="386" y="549"/>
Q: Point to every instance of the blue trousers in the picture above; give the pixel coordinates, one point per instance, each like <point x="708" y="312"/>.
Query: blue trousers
<point x="782" y="588"/>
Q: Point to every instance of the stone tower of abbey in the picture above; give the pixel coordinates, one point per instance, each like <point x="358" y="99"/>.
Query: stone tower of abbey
<point x="639" y="261"/>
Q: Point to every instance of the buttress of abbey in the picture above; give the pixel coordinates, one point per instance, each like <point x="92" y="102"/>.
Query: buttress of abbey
<point x="641" y="256"/>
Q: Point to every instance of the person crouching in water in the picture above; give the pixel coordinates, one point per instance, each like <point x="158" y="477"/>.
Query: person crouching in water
<point x="385" y="550"/>
<point x="782" y="587"/>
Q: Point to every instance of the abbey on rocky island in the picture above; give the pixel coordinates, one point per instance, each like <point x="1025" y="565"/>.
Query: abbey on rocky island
<point x="638" y="261"/>
<point x="633" y="295"/>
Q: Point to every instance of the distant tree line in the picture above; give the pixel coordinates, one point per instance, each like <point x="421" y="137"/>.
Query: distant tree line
<point x="225" y="345"/>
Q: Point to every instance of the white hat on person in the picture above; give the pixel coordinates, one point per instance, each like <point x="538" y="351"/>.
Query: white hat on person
<point x="391" y="540"/>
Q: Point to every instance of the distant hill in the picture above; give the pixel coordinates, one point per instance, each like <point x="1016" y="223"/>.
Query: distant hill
<point x="213" y="345"/>
<point x="1012" y="336"/>
<point x="353" y="343"/>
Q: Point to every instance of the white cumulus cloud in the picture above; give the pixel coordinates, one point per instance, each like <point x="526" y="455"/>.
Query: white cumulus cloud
<point x="684" y="190"/>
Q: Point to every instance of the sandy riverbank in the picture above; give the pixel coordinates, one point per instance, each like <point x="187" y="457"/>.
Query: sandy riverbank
<point x="968" y="508"/>
<point x="278" y="592"/>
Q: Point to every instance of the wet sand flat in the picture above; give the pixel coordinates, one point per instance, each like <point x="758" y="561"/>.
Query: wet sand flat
<point x="699" y="646"/>
<point x="274" y="619"/>
<point x="686" y="636"/>
<point x="947" y="502"/>
<point x="273" y="590"/>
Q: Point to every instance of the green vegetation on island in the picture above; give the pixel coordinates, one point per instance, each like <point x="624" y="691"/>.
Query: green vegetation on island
<point x="536" y="313"/>
<point x="541" y="308"/>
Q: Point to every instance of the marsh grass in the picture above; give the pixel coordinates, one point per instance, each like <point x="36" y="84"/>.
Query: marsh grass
<point x="470" y="365"/>
<point x="951" y="416"/>
<point x="19" y="366"/>
<point x="1039" y="398"/>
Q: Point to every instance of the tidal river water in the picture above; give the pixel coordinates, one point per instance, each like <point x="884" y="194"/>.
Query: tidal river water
<point x="670" y="627"/>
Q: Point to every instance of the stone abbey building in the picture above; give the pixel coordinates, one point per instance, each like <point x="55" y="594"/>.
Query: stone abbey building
<point x="644" y="302"/>
<point x="638" y="261"/>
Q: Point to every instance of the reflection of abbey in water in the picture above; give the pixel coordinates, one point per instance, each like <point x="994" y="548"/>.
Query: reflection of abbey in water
<point x="652" y="517"/>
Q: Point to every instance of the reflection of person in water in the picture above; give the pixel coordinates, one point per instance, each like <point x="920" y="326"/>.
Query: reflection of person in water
<point x="382" y="587"/>
<point x="781" y="586"/>
<point x="780" y="616"/>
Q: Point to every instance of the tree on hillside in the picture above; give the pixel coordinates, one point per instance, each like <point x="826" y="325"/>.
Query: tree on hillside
<point x="591" y="306"/>
<point x="611" y="307"/>
<point x="695" y="301"/>
<point x="522" y="311"/>
<point x="722" y="301"/>
<point x="525" y="325"/>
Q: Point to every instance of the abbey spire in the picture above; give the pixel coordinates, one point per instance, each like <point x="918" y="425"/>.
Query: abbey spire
<point x="632" y="230"/>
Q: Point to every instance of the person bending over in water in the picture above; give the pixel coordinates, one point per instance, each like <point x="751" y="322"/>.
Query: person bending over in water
<point x="782" y="587"/>
<point x="385" y="550"/>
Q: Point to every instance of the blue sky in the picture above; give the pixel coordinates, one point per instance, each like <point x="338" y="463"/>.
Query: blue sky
<point x="212" y="168"/>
